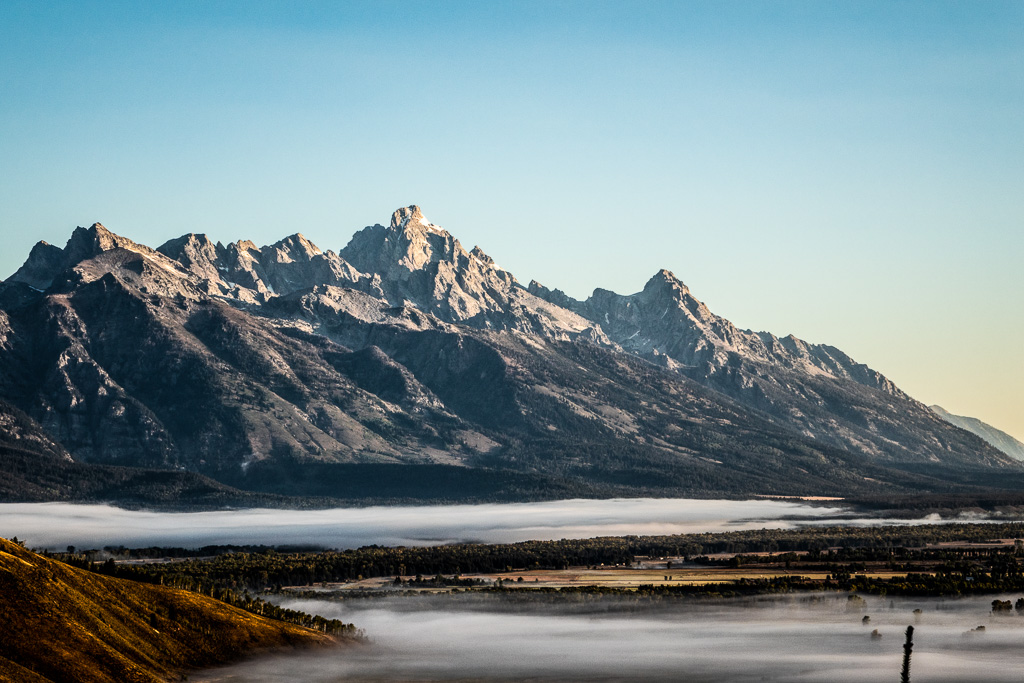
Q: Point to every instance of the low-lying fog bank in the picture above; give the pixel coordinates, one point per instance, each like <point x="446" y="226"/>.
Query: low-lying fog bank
<point x="57" y="525"/>
<point x="799" y="638"/>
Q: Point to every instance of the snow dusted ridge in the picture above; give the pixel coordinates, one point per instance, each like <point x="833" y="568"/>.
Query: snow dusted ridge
<point x="412" y="277"/>
<point x="415" y="262"/>
<point x="430" y="226"/>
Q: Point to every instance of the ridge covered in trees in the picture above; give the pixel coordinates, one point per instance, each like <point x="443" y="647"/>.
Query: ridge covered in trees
<point x="841" y="551"/>
<point x="60" y="623"/>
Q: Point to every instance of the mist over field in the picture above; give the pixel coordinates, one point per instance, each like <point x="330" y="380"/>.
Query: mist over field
<point x="56" y="525"/>
<point x="803" y="638"/>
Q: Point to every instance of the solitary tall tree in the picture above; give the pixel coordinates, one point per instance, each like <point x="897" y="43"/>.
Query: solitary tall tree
<point x="907" y="648"/>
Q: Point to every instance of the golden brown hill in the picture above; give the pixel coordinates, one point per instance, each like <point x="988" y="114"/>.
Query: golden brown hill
<point x="59" y="623"/>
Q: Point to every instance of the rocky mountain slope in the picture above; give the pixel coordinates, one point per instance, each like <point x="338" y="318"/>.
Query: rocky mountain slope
<point x="994" y="437"/>
<point x="816" y="390"/>
<point x="35" y="468"/>
<point x="250" y="363"/>
<point x="66" y="624"/>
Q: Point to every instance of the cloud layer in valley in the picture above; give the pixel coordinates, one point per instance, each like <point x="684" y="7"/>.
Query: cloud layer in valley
<point x="55" y="525"/>
<point x="803" y="638"/>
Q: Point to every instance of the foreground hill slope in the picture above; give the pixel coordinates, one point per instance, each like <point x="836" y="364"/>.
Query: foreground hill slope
<point x="60" y="623"/>
<point x="258" y="365"/>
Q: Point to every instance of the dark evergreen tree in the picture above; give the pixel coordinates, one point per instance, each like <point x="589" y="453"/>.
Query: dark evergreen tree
<point x="908" y="647"/>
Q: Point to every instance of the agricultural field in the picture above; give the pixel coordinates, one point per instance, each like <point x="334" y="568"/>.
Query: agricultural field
<point x="608" y="577"/>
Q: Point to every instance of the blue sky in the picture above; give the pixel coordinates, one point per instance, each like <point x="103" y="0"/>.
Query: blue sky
<point x="849" y="172"/>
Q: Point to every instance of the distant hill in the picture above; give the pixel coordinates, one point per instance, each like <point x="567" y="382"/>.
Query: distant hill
<point x="995" y="437"/>
<point x="292" y="369"/>
<point x="60" y="623"/>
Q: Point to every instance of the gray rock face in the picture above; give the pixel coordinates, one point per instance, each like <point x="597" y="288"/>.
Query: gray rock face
<point x="994" y="437"/>
<point x="5" y="331"/>
<point x="815" y="389"/>
<point x="244" y="272"/>
<point x="411" y="263"/>
<point x="46" y="262"/>
<point x="295" y="264"/>
<point x="89" y="242"/>
<point x="197" y="254"/>
<point x="407" y="348"/>
<point x="665" y="318"/>
<point x="422" y="264"/>
<point x="20" y="432"/>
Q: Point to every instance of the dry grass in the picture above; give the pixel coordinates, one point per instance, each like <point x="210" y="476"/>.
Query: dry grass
<point x="60" y="623"/>
<point x="617" y="577"/>
<point x="621" y="577"/>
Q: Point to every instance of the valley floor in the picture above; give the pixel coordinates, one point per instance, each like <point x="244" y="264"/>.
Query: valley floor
<point x="605" y="577"/>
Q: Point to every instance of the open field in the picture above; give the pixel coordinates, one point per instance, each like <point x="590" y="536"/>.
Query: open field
<point x="934" y="560"/>
<point x="608" y="577"/>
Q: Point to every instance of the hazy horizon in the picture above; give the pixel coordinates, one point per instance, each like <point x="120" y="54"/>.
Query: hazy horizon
<point x="849" y="174"/>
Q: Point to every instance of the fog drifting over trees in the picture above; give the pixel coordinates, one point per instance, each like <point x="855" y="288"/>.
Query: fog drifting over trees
<point x="789" y="638"/>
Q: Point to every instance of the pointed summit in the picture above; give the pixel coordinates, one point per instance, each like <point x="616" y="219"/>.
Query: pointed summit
<point x="410" y="223"/>
<point x="95" y="234"/>
<point x="411" y="243"/>
<point x="295" y="263"/>
<point x="292" y="248"/>
<point x="408" y="214"/>
<point x="421" y="264"/>
<point x="478" y="253"/>
<point x="191" y="241"/>
<point x="665" y="281"/>
<point x="94" y="240"/>
<point x="46" y="261"/>
<point x="43" y="263"/>
<point x="196" y="253"/>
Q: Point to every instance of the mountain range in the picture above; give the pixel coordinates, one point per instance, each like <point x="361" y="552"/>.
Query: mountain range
<point x="996" y="438"/>
<point x="404" y="365"/>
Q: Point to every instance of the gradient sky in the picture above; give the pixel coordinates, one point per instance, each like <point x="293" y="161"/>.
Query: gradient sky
<point x="849" y="172"/>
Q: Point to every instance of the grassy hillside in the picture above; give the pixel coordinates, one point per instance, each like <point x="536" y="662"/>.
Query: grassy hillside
<point x="60" y="623"/>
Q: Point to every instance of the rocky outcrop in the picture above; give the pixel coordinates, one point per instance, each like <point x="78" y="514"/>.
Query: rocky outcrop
<point x="665" y="318"/>
<point x="421" y="264"/>
<point x="197" y="254"/>
<point x="19" y="431"/>
<point x="244" y="272"/>
<point x="46" y="262"/>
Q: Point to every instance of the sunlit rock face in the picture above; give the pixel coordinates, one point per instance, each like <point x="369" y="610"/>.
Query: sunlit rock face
<point x="249" y="273"/>
<point x="792" y="380"/>
<point x="422" y="264"/>
<point x="403" y="347"/>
